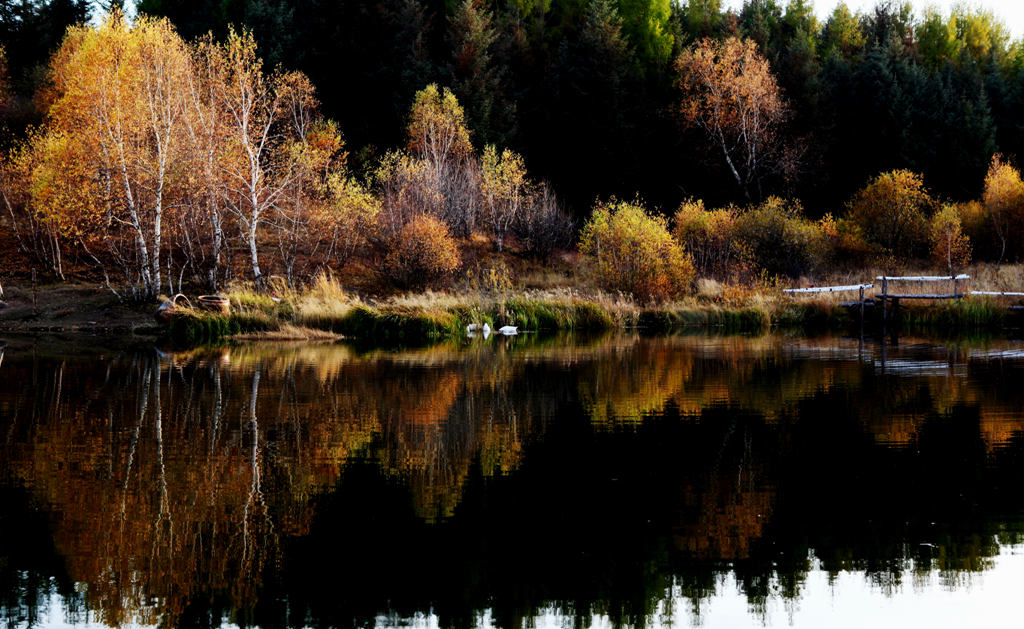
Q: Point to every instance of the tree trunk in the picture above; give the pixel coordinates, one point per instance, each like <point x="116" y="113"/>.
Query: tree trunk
<point x="254" y="256"/>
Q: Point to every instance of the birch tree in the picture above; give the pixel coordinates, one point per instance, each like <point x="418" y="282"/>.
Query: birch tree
<point x="1003" y="200"/>
<point x="117" y="96"/>
<point x="255" y="173"/>
<point x="203" y="226"/>
<point x="730" y="93"/>
<point x="437" y="135"/>
<point x="505" y="190"/>
<point x="314" y="152"/>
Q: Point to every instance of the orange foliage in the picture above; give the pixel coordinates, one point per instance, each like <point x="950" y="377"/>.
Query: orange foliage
<point x="729" y="91"/>
<point x="119" y="105"/>
<point x="423" y="254"/>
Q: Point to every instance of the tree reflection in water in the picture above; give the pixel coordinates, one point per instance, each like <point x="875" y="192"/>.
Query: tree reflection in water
<point x="316" y="485"/>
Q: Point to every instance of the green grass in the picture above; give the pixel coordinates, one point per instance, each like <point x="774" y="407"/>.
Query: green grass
<point x="194" y="327"/>
<point x="955" y="317"/>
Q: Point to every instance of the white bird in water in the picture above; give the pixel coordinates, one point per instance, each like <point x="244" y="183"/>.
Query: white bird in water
<point x="509" y="330"/>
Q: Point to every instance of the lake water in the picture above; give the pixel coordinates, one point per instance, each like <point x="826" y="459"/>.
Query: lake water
<point x="514" y="482"/>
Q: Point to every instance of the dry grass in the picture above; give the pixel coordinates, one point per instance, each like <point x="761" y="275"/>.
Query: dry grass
<point x="984" y="277"/>
<point x="325" y="308"/>
<point x="323" y="303"/>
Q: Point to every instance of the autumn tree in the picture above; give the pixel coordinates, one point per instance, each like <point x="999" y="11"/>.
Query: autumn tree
<point x="1003" y="200"/>
<point x="350" y="220"/>
<point x="203" y="228"/>
<point x="730" y="93"/>
<point x="313" y="152"/>
<point x="505" y="190"/>
<point x="437" y="127"/>
<point x="406" y="188"/>
<point x="949" y="246"/>
<point x="892" y="210"/>
<point x="437" y="135"/>
<point x="48" y="194"/>
<point x="257" y="174"/>
<point x="634" y="252"/>
<point x="119" y="98"/>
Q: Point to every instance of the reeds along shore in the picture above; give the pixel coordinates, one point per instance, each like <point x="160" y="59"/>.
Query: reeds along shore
<point x="325" y="308"/>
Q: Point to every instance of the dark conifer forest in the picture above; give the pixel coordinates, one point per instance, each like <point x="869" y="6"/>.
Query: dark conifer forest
<point x="587" y="90"/>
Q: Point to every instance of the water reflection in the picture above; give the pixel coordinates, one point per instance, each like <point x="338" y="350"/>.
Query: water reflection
<point x="319" y="485"/>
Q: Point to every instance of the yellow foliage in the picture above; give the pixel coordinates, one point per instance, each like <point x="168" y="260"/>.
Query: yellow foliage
<point x="504" y="188"/>
<point x="635" y="253"/>
<point x="350" y="217"/>
<point x="949" y="246"/>
<point x="707" y="235"/>
<point x="63" y="190"/>
<point x="1003" y="199"/>
<point x="437" y="126"/>
<point x="892" y="211"/>
<point x="976" y="224"/>
<point x="407" y="189"/>
<point x="840" y="240"/>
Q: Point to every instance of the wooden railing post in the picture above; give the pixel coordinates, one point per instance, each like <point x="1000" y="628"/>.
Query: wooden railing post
<point x="885" y="299"/>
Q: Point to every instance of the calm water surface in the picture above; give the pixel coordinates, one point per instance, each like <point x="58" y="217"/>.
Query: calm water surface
<point x="519" y="482"/>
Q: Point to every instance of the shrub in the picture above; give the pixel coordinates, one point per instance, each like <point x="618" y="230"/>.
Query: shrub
<point x="776" y="237"/>
<point x="839" y="241"/>
<point x="892" y="211"/>
<point x="423" y="254"/>
<point x="977" y="227"/>
<point x="544" y="225"/>
<point x="950" y="248"/>
<point x="406" y="189"/>
<point x="349" y="221"/>
<point x="635" y="253"/>
<point x="707" y="235"/>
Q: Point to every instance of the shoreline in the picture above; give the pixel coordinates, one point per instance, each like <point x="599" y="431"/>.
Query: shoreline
<point x="321" y="313"/>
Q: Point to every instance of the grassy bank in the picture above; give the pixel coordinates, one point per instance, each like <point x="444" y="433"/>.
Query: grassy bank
<point x="412" y="319"/>
<point x="324" y="309"/>
<point x="326" y="306"/>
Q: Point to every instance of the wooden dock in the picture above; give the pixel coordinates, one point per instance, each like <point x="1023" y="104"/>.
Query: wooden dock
<point x="834" y="289"/>
<point x="893" y="299"/>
